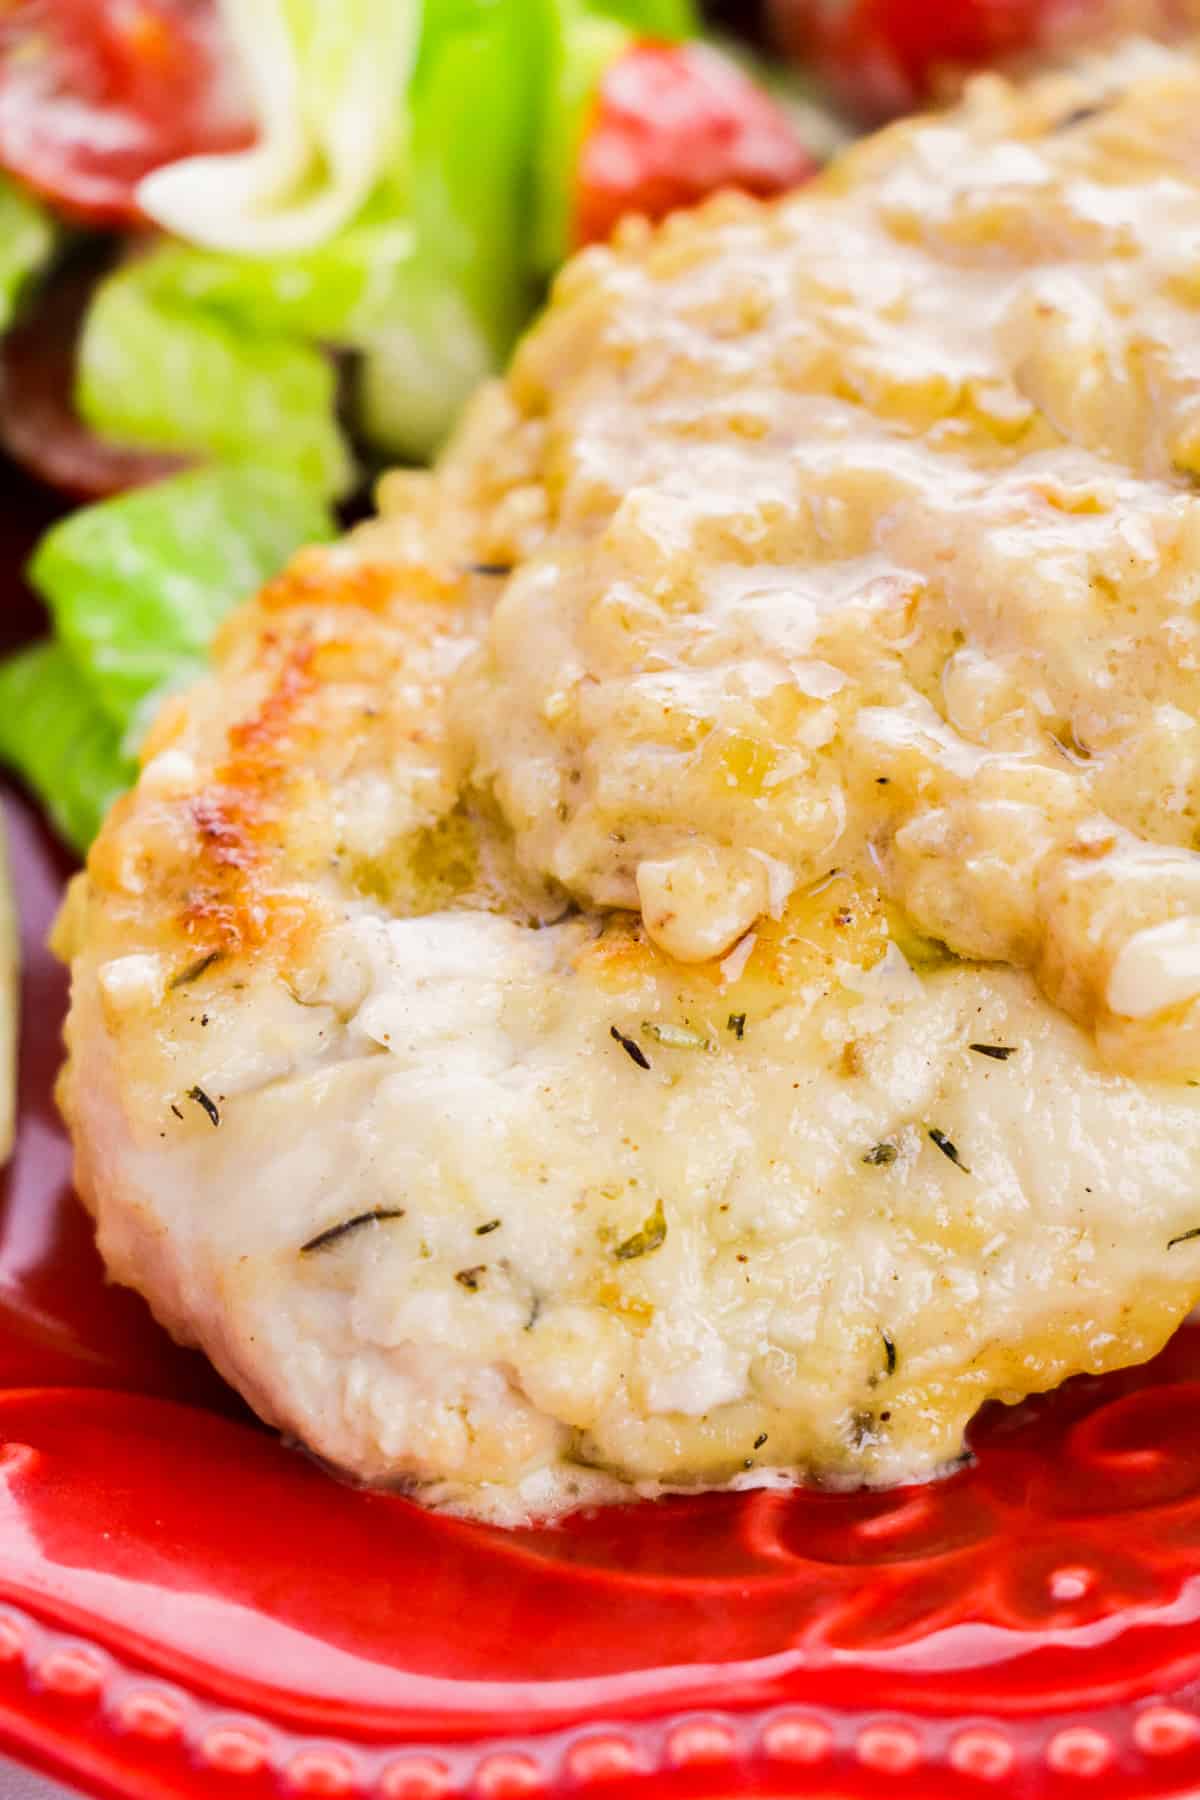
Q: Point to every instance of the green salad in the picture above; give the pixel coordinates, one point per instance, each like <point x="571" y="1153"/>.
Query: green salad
<point x="409" y="187"/>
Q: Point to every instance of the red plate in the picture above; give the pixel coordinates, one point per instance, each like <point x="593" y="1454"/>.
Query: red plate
<point x="187" y="1608"/>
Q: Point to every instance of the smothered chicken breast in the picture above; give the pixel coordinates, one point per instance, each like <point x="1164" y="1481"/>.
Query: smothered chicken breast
<point x="672" y="956"/>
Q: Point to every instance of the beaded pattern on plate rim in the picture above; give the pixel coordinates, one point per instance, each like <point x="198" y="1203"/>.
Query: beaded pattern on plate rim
<point x="108" y="1696"/>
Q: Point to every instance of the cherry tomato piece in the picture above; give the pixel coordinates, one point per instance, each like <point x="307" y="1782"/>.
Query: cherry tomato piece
<point x="96" y="93"/>
<point x="883" y="57"/>
<point x="672" y="123"/>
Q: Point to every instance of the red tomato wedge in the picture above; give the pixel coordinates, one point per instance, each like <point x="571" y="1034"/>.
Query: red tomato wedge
<point x="96" y="93"/>
<point x="672" y="123"/>
<point x="39" y="427"/>
<point x="883" y="57"/>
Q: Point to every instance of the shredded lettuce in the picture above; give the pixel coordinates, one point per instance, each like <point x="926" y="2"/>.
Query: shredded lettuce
<point x="136" y="586"/>
<point x="59" y="741"/>
<point x="429" y="282"/>
<point x="169" y="378"/>
<point x="26" y="243"/>
<point x="329" y="83"/>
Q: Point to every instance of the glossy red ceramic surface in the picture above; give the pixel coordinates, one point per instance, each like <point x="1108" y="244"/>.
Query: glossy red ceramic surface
<point x="187" y="1608"/>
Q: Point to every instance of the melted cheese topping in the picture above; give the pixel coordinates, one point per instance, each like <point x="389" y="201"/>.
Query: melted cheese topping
<point x="869" y="537"/>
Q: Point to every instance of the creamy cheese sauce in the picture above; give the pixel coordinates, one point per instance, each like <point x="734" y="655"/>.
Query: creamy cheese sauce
<point x="869" y="538"/>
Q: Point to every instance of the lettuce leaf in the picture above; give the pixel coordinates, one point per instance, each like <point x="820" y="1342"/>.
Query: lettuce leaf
<point x="136" y="586"/>
<point x="59" y="741"/>
<point x="338" y="292"/>
<point x="585" y="40"/>
<point x="26" y="243"/>
<point x="329" y="83"/>
<point x="166" y="377"/>
<point x="468" y="289"/>
<point x="667" y="20"/>
<point x="415" y="377"/>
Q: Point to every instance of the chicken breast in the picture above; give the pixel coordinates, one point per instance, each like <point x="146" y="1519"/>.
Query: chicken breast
<point x="672" y="957"/>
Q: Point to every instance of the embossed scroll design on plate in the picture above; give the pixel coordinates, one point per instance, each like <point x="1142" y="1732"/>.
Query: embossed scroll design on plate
<point x="188" y="1608"/>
